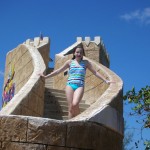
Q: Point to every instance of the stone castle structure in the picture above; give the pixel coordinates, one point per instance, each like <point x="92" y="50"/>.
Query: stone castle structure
<point x="34" y="113"/>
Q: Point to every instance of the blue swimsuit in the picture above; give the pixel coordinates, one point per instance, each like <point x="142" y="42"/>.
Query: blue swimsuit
<point x="76" y="74"/>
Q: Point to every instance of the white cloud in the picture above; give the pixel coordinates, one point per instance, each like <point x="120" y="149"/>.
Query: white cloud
<point x="1" y="73"/>
<point x="143" y="16"/>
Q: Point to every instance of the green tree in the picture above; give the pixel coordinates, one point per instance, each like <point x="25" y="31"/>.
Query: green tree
<point x="141" y="107"/>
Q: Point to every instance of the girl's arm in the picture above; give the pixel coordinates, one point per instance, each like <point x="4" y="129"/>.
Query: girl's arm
<point x="55" y="72"/>
<point x="97" y="74"/>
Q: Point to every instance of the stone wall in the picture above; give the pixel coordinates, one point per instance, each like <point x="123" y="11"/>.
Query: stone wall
<point x="21" y="61"/>
<point x="29" y="94"/>
<point x="24" y="133"/>
<point x="96" y="52"/>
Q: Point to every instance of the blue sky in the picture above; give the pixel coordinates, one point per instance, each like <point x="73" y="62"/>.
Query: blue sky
<point x="124" y="26"/>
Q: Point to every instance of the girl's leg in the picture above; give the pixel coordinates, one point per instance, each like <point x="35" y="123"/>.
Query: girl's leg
<point x="77" y="97"/>
<point x="69" y="95"/>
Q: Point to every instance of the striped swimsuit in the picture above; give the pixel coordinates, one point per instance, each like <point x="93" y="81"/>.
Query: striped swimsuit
<point x="76" y="74"/>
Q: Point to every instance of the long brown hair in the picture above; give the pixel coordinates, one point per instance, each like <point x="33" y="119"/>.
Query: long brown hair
<point x="74" y="50"/>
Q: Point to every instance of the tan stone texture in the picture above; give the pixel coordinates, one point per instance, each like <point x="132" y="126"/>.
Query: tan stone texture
<point x="46" y="132"/>
<point x="23" y="67"/>
<point x="79" y="135"/>
<point x="21" y="133"/>
<point x="86" y="135"/>
<point x="23" y="146"/>
<point x="13" y="129"/>
<point x="44" y="51"/>
<point x="57" y="148"/>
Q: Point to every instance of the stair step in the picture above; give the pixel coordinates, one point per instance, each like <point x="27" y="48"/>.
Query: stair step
<point x="56" y="106"/>
<point x="65" y="108"/>
<point x="55" y="100"/>
<point x="48" y="86"/>
<point x="56" y="94"/>
<point x="55" y="90"/>
<point x="59" y="98"/>
<point x="62" y="101"/>
<point x="49" y="82"/>
<point x="60" y="108"/>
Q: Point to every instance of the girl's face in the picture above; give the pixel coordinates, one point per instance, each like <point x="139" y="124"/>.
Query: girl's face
<point x="78" y="53"/>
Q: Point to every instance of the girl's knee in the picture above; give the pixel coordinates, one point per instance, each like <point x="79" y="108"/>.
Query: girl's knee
<point x="73" y="108"/>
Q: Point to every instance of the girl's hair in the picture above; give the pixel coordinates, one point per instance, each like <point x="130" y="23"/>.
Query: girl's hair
<point x="74" y="50"/>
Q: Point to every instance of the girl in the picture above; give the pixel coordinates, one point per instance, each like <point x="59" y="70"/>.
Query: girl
<point x="75" y="84"/>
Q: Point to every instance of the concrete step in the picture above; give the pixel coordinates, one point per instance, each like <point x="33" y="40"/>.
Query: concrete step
<point x="63" y="106"/>
<point x="61" y="101"/>
<point x="56" y="106"/>
<point x="55" y="90"/>
<point x="49" y="83"/>
<point x="55" y="94"/>
<point x="64" y="102"/>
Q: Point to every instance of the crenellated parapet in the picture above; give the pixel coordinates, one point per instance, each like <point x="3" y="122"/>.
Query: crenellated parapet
<point x="95" y="49"/>
<point x="43" y="46"/>
<point x="37" y="41"/>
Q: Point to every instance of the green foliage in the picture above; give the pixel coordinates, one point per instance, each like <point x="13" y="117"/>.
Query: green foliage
<point x="147" y="144"/>
<point x="141" y="101"/>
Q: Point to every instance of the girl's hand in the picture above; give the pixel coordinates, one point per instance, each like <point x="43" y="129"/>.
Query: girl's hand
<point x="41" y="74"/>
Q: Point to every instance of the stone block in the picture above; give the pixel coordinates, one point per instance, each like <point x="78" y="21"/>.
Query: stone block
<point x="26" y="58"/>
<point x="29" y="68"/>
<point x="103" y="138"/>
<point x="28" y="41"/>
<point x="46" y="39"/>
<point x="56" y="148"/>
<point x="97" y="40"/>
<point x="22" y="146"/>
<point x="79" y="135"/>
<point x="36" y="41"/>
<point x="13" y="128"/>
<point x="79" y="39"/>
<point x="87" y="40"/>
<point x="46" y="132"/>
